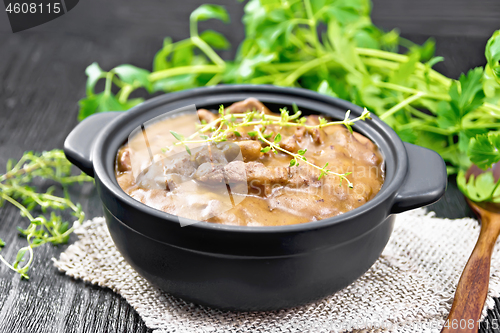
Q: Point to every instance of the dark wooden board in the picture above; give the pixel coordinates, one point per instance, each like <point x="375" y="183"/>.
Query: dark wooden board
<point x="42" y="78"/>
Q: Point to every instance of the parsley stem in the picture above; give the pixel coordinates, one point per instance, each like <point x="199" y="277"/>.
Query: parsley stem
<point x="125" y="93"/>
<point x="287" y="66"/>
<point x="202" y="45"/>
<point x="397" y="87"/>
<point x="382" y="54"/>
<point x="119" y="83"/>
<point x="403" y="58"/>
<point x="401" y="105"/>
<point x="493" y="107"/>
<point x="433" y="129"/>
<point x="294" y="76"/>
<point x="493" y="191"/>
<point x="109" y="81"/>
<point x="268" y="78"/>
<point x="420" y="114"/>
<point x="381" y="63"/>
<point x="312" y="25"/>
<point x="185" y="70"/>
<point x="486" y="125"/>
<point x="215" y="80"/>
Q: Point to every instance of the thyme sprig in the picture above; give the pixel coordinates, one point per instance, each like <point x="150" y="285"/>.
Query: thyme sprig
<point x="275" y="147"/>
<point x="228" y="123"/>
<point x="15" y="188"/>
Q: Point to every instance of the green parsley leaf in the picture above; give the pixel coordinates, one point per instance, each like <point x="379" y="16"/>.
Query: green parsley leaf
<point x="206" y="12"/>
<point x="160" y="61"/>
<point x="492" y="53"/>
<point x="466" y="95"/>
<point x="480" y="188"/>
<point x="94" y="73"/>
<point x="215" y="39"/>
<point x="484" y="150"/>
<point x="134" y="76"/>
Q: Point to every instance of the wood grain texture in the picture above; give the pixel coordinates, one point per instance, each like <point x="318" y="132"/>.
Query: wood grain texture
<point x="42" y="78"/>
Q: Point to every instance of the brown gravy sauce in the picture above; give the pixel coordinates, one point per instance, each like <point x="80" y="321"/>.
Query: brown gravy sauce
<point x="207" y="185"/>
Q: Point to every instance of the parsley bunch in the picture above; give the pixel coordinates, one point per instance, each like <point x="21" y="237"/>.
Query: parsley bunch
<point x="331" y="47"/>
<point x="16" y="188"/>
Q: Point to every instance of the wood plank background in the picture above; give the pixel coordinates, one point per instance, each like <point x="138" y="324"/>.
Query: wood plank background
<point x="42" y="78"/>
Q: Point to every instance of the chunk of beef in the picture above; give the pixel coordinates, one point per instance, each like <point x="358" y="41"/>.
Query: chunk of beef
<point x="289" y="143"/>
<point x="230" y="149"/>
<point x="206" y="115"/>
<point x="210" y="154"/>
<point x="256" y="174"/>
<point x="250" y="150"/>
<point x="210" y="174"/>
<point x="123" y="161"/>
<point x="249" y="104"/>
<point x="182" y="165"/>
<point x="299" y="133"/>
<point x="235" y="172"/>
<point x="316" y="133"/>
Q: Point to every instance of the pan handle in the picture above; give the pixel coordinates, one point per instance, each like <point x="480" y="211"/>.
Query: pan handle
<point x="425" y="182"/>
<point x="80" y="142"/>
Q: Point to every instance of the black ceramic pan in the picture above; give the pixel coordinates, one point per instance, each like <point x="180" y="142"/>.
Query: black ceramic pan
<point x="253" y="268"/>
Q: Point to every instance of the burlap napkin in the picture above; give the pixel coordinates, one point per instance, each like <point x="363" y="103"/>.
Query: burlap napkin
<point x="409" y="289"/>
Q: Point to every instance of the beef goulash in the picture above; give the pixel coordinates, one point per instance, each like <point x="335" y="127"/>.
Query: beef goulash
<point x="285" y="174"/>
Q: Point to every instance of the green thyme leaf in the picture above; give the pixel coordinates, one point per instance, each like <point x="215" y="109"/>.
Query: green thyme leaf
<point x="20" y="256"/>
<point x="268" y="135"/>
<point x="177" y="135"/>
<point x="277" y="138"/>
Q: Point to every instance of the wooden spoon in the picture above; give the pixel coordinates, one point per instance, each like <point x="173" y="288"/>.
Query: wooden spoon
<point x="472" y="288"/>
